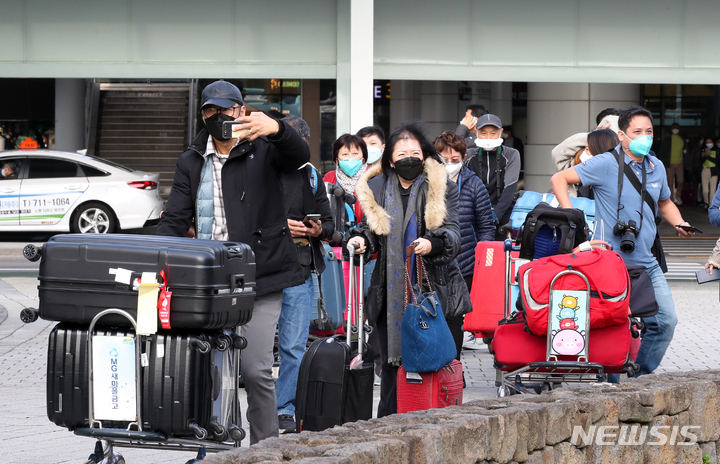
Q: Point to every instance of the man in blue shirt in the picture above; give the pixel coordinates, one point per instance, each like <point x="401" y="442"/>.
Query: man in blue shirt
<point x="601" y="172"/>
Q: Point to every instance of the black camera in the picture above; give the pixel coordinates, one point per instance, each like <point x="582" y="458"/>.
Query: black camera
<point x="627" y="232"/>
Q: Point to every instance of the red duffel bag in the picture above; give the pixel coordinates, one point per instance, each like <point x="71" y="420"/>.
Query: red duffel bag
<point x="609" y="287"/>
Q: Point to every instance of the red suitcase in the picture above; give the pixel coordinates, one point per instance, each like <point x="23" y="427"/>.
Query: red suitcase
<point x="513" y="347"/>
<point x="488" y="289"/>
<point x="431" y="389"/>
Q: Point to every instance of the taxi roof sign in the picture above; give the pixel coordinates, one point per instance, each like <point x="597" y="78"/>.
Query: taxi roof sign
<point x="28" y="144"/>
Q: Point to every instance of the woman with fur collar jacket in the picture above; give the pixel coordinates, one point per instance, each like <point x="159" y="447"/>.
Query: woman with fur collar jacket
<point x="407" y="199"/>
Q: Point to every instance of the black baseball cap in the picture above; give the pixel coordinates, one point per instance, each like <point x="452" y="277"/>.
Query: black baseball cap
<point x="222" y="94"/>
<point x="488" y="120"/>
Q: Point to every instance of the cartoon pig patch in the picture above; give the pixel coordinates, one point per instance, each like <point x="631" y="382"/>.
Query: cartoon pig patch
<point x="568" y="324"/>
<point x="568" y="341"/>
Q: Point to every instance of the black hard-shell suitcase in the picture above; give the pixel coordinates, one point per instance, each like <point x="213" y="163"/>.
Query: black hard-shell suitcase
<point x="212" y="282"/>
<point x="329" y="393"/>
<point x="176" y="388"/>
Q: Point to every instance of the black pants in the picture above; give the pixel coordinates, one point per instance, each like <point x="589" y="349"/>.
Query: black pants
<point x="388" y="376"/>
<point x="455" y="324"/>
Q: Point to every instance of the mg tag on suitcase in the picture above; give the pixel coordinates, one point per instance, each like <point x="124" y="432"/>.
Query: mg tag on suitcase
<point x="413" y="377"/>
<point x="114" y="378"/>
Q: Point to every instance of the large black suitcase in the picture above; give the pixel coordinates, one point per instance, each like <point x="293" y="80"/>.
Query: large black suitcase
<point x="177" y="388"/>
<point x="212" y="282"/>
<point x="329" y="392"/>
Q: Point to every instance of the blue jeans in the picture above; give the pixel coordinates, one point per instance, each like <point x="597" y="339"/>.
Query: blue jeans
<point x="659" y="329"/>
<point x="293" y="331"/>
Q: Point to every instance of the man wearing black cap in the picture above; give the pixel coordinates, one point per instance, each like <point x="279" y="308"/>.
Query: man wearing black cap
<point x="231" y="188"/>
<point x="498" y="166"/>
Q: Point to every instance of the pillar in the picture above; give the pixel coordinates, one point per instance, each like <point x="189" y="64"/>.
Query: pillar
<point x="439" y="106"/>
<point x="501" y="101"/>
<point x="404" y="102"/>
<point x="311" y="115"/>
<point x="354" y="65"/>
<point x="558" y="110"/>
<point x="70" y="114"/>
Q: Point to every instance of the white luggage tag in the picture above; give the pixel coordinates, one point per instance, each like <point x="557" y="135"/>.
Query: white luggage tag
<point x="413" y="377"/>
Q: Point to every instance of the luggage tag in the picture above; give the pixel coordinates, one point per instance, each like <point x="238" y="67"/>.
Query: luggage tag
<point x="163" y="304"/>
<point x="413" y="377"/>
<point x="147" y="312"/>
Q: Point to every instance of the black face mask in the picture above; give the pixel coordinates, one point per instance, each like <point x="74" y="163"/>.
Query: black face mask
<point x="409" y="168"/>
<point x="214" y="125"/>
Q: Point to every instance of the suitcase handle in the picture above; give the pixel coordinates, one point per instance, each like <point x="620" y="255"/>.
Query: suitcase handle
<point x="235" y="252"/>
<point x="236" y="280"/>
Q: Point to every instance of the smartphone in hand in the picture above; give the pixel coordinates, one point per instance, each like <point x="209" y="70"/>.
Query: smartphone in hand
<point x="229" y="133"/>
<point x="310" y="217"/>
<point x="690" y="229"/>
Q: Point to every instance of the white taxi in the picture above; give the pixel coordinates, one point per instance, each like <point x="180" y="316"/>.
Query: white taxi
<point x="45" y="190"/>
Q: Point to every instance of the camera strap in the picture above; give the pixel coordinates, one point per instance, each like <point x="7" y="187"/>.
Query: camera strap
<point x="635" y="182"/>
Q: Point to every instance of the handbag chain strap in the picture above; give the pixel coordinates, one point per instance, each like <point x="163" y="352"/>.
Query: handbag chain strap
<point x="421" y="273"/>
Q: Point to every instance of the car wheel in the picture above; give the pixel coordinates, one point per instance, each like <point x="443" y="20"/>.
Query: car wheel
<point x="93" y="218"/>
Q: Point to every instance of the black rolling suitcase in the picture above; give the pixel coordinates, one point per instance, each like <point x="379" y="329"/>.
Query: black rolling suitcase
<point x="177" y="386"/>
<point x="212" y="282"/>
<point x="335" y="383"/>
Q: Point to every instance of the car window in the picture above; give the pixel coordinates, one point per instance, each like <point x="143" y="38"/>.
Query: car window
<point x="110" y="163"/>
<point x="10" y="168"/>
<point x="46" y="168"/>
<point x="92" y="172"/>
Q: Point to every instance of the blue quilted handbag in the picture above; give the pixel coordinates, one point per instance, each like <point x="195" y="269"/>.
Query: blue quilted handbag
<point x="426" y="342"/>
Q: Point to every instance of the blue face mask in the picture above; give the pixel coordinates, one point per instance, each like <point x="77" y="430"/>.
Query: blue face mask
<point x="351" y="166"/>
<point x="374" y="154"/>
<point x="641" y="145"/>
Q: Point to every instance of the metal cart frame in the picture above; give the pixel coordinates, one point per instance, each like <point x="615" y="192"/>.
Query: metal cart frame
<point x="139" y="438"/>
<point x="544" y="376"/>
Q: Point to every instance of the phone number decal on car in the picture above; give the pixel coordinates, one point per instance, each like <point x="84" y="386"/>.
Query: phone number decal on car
<point x="54" y="204"/>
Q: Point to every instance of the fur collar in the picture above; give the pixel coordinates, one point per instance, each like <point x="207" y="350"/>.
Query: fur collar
<point x="378" y="219"/>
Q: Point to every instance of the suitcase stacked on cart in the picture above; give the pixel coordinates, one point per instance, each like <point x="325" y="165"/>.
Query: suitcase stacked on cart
<point x="184" y="381"/>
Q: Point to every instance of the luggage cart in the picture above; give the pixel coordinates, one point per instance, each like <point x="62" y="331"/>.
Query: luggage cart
<point x="225" y="432"/>
<point x="536" y="377"/>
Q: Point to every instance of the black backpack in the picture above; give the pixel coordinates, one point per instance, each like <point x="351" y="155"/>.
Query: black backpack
<point x="551" y="231"/>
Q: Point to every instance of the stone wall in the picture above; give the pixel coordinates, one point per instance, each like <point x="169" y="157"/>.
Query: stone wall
<point x="525" y="428"/>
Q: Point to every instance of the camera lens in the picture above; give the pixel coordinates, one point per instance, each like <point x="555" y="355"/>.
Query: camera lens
<point x="627" y="242"/>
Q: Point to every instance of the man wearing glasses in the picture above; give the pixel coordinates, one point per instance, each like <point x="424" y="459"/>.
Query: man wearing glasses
<point x="231" y="188"/>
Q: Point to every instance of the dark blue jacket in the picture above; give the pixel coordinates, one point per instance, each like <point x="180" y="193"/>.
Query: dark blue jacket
<point x="476" y="223"/>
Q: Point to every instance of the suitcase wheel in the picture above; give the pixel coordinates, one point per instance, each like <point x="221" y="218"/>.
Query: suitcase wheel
<point x="29" y="315"/>
<point x="219" y="432"/>
<point x="236" y="434"/>
<point x="222" y="341"/>
<point x="202" y="346"/>
<point x="239" y="342"/>
<point x="200" y="433"/>
<point x="32" y="253"/>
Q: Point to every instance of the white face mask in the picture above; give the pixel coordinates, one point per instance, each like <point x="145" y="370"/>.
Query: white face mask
<point x="504" y="136"/>
<point x="709" y="145"/>
<point x="585" y="156"/>
<point x="453" y="169"/>
<point x="675" y="131"/>
<point x="489" y="144"/>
